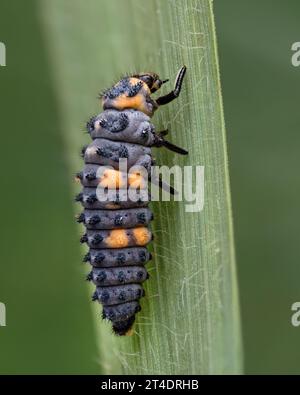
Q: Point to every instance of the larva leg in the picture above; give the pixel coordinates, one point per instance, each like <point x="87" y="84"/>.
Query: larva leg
<point x="161" y="142"/>
<point x="176" y="91"/>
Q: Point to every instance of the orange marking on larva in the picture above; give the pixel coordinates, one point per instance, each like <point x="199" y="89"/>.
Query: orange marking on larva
<point x="130" y="332"/>
<point x="112" y="179"/>
<point x="142" y="235"/>
<point x="133" y="81"/>
<point x="136" y="102"/>
<point x="136" y="180"/>
<point x="117" y="239"/>
<point x="112" y="206"/>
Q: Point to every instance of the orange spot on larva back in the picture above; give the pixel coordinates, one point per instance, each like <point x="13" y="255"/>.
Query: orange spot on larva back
<point x="142" y="235"/>
<point x="117" y="239"/>
<point x="136" y="102"/>
<point x="112" y="179"/>
<point x="136" y="180"/>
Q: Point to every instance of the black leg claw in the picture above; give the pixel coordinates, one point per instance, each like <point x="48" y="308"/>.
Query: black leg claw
<point x="176" y="91"/>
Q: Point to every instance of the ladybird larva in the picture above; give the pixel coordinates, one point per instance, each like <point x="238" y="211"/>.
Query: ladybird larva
<point x="117" y="230"/>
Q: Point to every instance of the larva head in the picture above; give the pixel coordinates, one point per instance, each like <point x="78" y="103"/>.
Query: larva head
<point x="151" y="79"/>
<point x="133" y="92"/>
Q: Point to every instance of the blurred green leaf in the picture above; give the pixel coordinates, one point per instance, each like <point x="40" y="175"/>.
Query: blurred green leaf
<point x="40" y="276"/>
<point x="262" y="98"/>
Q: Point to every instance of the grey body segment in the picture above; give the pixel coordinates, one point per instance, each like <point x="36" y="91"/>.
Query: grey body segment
<point x="112" y="219"/>
<point x="119" y="275"/>
<point x="121" y="312"/>
<point x="119" y="294"/>
<point x="109" y="153"/>
<point x="88" y="199"/>
<point x="128" y="125"/>
<point x="118" y="257"/>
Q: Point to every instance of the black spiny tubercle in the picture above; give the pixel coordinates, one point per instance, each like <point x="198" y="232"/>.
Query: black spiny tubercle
<point x="116" y="231"/>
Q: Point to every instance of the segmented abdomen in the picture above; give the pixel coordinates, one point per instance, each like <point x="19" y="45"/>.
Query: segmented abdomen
<point x="117" y="230"/>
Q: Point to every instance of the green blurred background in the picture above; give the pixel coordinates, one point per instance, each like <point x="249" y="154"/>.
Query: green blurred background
<point x="261" y="99"/>
<point x="48" y="308"/>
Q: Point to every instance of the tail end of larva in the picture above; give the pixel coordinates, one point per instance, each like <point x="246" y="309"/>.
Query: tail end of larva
<point x="124" y="328"/>
<point x="130" y="332"/>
